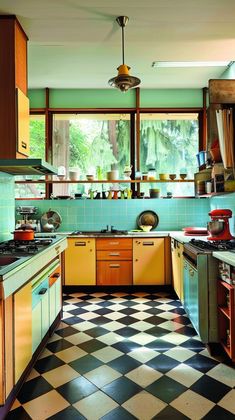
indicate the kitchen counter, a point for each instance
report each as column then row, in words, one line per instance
column 178, row 235
column 15, row 275
column 226, row 256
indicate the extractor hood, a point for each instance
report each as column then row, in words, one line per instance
column 27, row 167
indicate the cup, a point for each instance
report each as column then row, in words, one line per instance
column 208, row 187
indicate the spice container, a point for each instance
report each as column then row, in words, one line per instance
column 145, row 176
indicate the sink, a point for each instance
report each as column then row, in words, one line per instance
column 100, row 232
column 7, row 260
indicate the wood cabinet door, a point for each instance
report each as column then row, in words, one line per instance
column 114, row 273
column 113, row 243
column 177, row 269
column 80, row 262
column 22, row 123
column 22, row 329
column 148, row 261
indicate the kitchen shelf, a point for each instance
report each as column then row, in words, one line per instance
column 226, row 317
column 104, row 181
column 214, row 194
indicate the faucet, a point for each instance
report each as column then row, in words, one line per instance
column 105, row 230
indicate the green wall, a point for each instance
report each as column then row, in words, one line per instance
column 112, row 98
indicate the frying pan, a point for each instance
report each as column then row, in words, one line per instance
column 147, row 218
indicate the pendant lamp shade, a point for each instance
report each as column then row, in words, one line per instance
column 123, row 81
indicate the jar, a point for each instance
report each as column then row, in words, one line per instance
column 145, row 176
column 200, row 187
column 138, row 175
column 151, row 174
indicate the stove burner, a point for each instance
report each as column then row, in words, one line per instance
column 23, row 247
column 213, row 245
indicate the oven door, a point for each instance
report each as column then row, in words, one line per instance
column 191, row 293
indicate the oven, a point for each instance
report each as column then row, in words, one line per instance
column 200, row 291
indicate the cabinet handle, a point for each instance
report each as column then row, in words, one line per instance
column 191, row 272
column 114, row 265
column 80, row 244
column 136, row 260
column 178, row 254
column 43, row 291
column 148, row 243
column 57, row 248
column 23, row 145
column 113, row 243
column 56, row 275
column 114, row 254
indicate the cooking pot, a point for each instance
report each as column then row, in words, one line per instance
column 215, row 227
column 23, row 235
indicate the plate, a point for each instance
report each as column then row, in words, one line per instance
column 147, row 218
column 198, row 230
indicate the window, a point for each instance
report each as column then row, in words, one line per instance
column 169, row 144
column 90, row 143
column 37, row 150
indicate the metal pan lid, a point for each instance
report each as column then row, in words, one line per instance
column 147, row 218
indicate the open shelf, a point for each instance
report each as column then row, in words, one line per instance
column 225, row 311
column 104, row 181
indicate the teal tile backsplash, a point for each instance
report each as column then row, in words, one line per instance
column 7, row 206
column 174, row 214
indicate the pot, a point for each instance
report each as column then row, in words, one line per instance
column 215, row 227
column 23, row 235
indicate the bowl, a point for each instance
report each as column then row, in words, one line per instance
column 163, row 177
column 154, row 192
column 146, row 228
column 90, row 177
column 172, row 176
column 215, row 227
column 183, row 176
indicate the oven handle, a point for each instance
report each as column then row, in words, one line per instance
column 190, row 260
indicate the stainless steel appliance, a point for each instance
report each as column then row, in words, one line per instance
column 28, row 220
column 24, row 247
column 200, row 285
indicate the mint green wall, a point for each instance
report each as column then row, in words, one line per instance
column 7, row 206
column 174, row 214
column 229, row 73
column 112, row 98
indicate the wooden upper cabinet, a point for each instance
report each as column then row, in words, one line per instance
column 13, row 76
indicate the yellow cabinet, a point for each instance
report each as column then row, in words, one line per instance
column 177, row 267
column 22, row 329
column 148, row 261
column 80, row 262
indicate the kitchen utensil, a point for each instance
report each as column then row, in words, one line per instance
column 219, row 225
column 147, row 218
column 183, row 176
column 23, row 235
column 51, row 220
column 172, row 176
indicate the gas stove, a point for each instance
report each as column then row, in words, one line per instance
column 210, row 246
column 24, row 247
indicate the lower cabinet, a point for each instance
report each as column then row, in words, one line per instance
column 40, row 311
column 114, row 261
column 177, row 267
column 22, row 302
column 55, row 294
column 148, row 261
column 80, row 262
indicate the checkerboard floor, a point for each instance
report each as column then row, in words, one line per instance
column 126, row 356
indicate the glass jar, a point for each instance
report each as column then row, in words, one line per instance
column 151, row 174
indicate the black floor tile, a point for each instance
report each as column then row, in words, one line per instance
column 157, row 331
column 219, row 413
column 128, row 320
column 96, row 331
column 153, row 311
column 69, row 413
column 100, row 320
column 170, row 413
column 129, row 311
column 72, row 320
column 92, row 345
column 105, row 304
column 162, row 363
column 210, row 388
column 85, row 364
column 188, row 331
column 156, row 320
column 121, row 390
column 166, row 389
column 48, row 363
column 33, row 389
column 160, row 345
column 126, row 331
column 66, row 332
column 76, row 389
column 194, row 345
column 17, row 414
column 126, row 346
column 176, row 303
column 124, row 364
column 59, row 345
column 128, row 303
column 202, row 363
column 118, row 413
column 103, row 311
column 179, row 311
column 182, row 320
column 78, row 311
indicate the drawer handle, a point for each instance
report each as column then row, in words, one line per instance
column 114, row 265
column 178, row 254
column 43, row 291
column 191, row 272
column 80, row 243
column 148, row 243
column 56, row 275
column 114, row 243
column 24, row 145
column 114, row 254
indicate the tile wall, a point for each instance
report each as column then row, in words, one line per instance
column 174, row 214
column 7, row 206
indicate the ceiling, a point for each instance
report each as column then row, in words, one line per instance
column 77, row 43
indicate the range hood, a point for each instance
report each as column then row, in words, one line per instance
column 27, row 167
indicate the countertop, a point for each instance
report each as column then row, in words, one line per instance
column 226, row 256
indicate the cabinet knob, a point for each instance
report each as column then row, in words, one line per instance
column 136, row 259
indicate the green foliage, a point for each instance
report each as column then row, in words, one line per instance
column 37, row 139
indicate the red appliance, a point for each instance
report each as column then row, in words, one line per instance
column 220, row 215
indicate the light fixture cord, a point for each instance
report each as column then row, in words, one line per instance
column 123, row 61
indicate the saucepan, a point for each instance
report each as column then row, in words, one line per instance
column 215, row 227
column 23, row 234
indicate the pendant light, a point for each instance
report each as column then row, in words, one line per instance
column 123, row 80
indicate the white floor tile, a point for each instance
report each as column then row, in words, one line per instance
column 95, row 406
column 224, row 374
column 143, row 354
column 192, row 405
column 144, row 375
column 179, row 353
column 103, row 375
column 144, row 406
column 228, row 401
column 184, row 374
column 107, row 354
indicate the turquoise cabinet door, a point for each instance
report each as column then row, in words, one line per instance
column 45, row 313
column 186, row 287
column 52, row 303
column 193, row 297
column 36, row 330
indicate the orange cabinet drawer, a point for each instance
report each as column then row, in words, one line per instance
column 113, row 243
column 114, row 272
column 115, row 255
